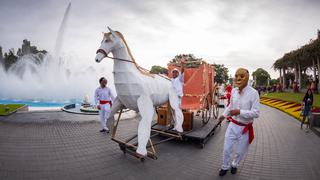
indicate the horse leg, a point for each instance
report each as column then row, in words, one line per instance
column 146, row 110
column 116, row 106
column 177, row 112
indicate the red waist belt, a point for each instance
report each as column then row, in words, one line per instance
column 105, row 102
column 247, row 127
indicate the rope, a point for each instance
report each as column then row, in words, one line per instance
column 141, row 69
column 144, row 70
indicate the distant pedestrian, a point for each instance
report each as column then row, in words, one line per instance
column 228, row 93
column 307, row 105
column 228, row 96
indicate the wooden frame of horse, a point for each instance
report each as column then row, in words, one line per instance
column 127, row 147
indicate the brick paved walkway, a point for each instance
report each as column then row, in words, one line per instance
column 50, row 146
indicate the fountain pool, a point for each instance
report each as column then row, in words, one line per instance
column 38, row 104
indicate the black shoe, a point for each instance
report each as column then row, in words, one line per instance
column 233, row 170
column 222, row 172
column 103, row 130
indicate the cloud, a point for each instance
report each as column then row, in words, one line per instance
column 248, row 33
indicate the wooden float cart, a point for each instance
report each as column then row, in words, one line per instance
column 200, row 103
column 200, row 110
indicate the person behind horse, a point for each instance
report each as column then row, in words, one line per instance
column 228, row 96
column 243, row 108
column 177, row 81
column 103, row 97
column 307, row 104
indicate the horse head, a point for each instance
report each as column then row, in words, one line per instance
column 111, row 41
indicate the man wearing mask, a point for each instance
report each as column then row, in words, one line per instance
column 243, row 108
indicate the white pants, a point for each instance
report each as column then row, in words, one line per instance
column 178, row 120
column 180, row 102
column 104, row 114
column 233, row 137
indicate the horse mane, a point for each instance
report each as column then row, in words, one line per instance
column 141, row 69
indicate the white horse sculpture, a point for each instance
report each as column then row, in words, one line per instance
column 137, row 89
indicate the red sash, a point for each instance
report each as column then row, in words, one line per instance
column 105, row 102
column 247, row 127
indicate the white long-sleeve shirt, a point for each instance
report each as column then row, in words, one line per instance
column 104, row 94
column 248, row 102
column 177, row 84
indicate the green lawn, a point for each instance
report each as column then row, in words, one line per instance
column 293, row 97
column 6, row 109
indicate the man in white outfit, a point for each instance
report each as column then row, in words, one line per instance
column 103, row 97
column 243, row 108
column 177, row 83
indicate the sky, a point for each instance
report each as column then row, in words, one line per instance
column 236, row 33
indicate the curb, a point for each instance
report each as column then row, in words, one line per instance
column 291, row 108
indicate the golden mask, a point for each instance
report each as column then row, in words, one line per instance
column 241, row 78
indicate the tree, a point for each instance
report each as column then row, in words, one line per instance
column 261, row 77
column 221, row 73
column 9, row 59
column 274, row 81
column 158, row 70
column 289, row 77
column 186, row 57
column 192, row 61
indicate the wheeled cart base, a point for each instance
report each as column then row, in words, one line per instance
column 200, row 132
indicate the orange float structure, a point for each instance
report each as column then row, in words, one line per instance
column 199, row 90
column 199, row 104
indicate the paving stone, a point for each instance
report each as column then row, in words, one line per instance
column 59, row 145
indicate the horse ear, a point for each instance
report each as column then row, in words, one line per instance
column 114, row 34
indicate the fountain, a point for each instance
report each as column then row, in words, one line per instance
column 56, row 81
column 61, row 31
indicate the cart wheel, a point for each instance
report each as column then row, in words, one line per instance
column 142, row 160
column 206, row 113
column 122, row 148
column 215, row 110
column 215, row 104
column 202, row 145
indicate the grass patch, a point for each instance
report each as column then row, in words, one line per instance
column 293, row 97
column 6, row 109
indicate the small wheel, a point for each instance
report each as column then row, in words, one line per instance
column 215, row 104
column 202, row 145
column 122, row 147
column 206, row 113
column 215, row 110
column 142, row 160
